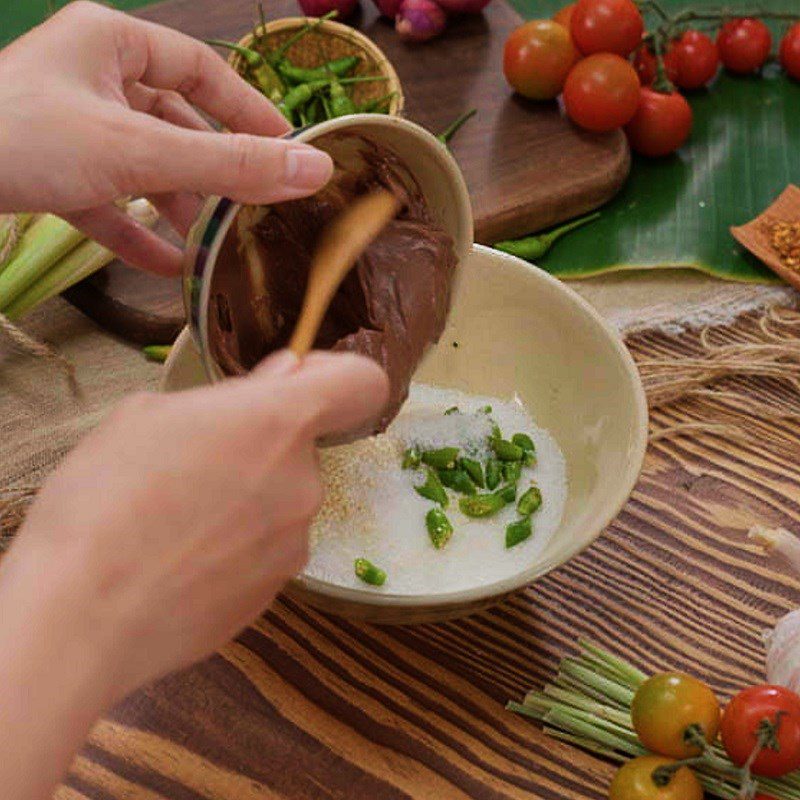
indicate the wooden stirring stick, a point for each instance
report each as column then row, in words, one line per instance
column 342, row 242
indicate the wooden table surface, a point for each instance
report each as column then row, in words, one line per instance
column 304, row 706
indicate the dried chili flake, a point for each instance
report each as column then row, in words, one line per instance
column 784, row 239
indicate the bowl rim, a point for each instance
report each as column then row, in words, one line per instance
column 610, row 509
column 342, row 31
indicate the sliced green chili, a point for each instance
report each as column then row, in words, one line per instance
column 411, row 458
column 506, row 451
column 494, row 473
column 530, row 501
column 452, row 410
column 458, row 480
column 524, row 441
column 482, row 505
column 369, row 573
column 439, row 527
column 529, row 459
column 474, row 469
column 512, row 471
column 443, row 458
column 432, row 489
column 508, row 493
column 518, row 532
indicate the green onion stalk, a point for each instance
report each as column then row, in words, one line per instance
column 589, row 705
column 51, row 256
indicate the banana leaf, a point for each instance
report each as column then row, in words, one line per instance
column 743, row 152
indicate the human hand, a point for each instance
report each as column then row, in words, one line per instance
column 177, row 521
column 96, row 105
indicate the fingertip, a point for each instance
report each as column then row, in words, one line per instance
column 307, row 168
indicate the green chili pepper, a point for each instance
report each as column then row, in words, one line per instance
column 496, row 432
column 341, row 103
column 508, row 493
column 512, row 471
column 529, row 459
column 443, row 458
column 452, row 410
column 474, row 470
column 378, row 106
column 486, row 410
column 369, row 573
column 518, row 532
column 157, row 352
column 447, row 134
column 263, row 75
column 524, row 441
column 506, row 451
column 530, row 501
column 301, row 95
column 439, row 527
column 481, row 505
column 433, row 489
column 340, row 67
column 411, row 458
column 458, row 480
column 532, row 247
column 494, row 473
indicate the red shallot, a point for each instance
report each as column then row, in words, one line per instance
column 420, row 20
column 318, row 8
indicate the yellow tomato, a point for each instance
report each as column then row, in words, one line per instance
column 634, row 781
column 666, row 705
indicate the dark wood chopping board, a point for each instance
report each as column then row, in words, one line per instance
column 526, row 166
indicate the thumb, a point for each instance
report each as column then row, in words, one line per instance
column 246, row 168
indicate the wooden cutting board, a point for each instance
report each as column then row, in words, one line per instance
column 526, row 166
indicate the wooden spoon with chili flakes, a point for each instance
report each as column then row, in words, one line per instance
column 774, row 236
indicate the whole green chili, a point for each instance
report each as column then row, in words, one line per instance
column 433, row 489
column 532, row 247
column 481, row 505
column 447, row 134
column 341, row 103
column 439, row 527
column 506, row 451
column 474, row 469
column 339, row 67
column 379, row 105
column 369, row 573
column 530, row 501
column 518, row 532
column 458, row 480
column 494, row 473
column 262, row 75
column 443, row 458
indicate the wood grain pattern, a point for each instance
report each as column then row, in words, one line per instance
column 526, row 167
column 305, row 706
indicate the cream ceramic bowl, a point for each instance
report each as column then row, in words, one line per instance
column 518, row 331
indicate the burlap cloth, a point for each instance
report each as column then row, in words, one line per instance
column 41, row 420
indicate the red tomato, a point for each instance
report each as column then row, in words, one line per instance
column 790, row 51
column 662, row 123
column 564, row 16
column 601, row 92
column 606, row 26
column 744, row 44
column 740, row 724
column 538, row 57
column 695, row 60
column 644, row 62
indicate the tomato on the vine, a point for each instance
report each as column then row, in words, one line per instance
column 669, row 703
column 634, row 781
column 564, row 15
column 644, row 62
column 606, row 26
column 601, row 92
column 538, row 57
column 694, row 59
column 790, row 51
column 744, row 44
column 749, row 712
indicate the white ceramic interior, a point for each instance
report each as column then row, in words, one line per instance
column 519, row 331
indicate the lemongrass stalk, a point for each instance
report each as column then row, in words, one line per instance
column 43, row 244
column 586, row 704
column 586, row 744
column 12, row 226
column 634, row 677
column 572, row 685
column 602, row 684
column 86, row 259
column 583, row 728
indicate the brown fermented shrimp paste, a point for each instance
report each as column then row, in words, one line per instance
column 392, row 306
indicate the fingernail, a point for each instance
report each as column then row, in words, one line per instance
column 307, row 167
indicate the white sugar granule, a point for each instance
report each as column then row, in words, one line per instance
column 372, row 511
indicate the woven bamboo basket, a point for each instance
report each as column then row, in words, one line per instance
column 326, row 42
